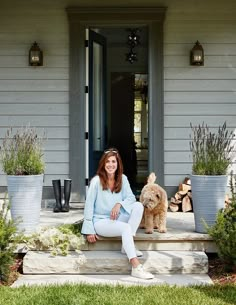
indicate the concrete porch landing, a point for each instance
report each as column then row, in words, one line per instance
column 180, row 236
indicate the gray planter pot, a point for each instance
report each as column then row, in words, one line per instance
column 208, row 195
column 25, row 196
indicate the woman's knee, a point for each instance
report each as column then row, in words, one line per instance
column 126, row 228
column 138, row 206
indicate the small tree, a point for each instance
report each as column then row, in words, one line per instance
column 8, row 241
column 224, row 230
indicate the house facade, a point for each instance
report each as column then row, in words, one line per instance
column 85, row 106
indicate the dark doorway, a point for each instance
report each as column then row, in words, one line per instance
column 81, row 18
column 129, row 124
column 122, row 121
column 126, row 125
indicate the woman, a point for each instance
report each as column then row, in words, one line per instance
column 111, row 209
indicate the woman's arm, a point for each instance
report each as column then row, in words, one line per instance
column 88, row 227
column 92, row 238
column 128, row 197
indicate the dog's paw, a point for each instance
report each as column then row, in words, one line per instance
column 148, row 231
column 163, row 230
column 141, row 227
column 155, row 227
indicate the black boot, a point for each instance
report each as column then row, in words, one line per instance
column 57, row 193
column 67, row 191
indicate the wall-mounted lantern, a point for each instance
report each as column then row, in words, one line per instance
column 197, row 55
column 35, row 55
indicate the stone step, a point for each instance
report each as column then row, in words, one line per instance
column 112, row 279
column 113, row 262
column 189, row 241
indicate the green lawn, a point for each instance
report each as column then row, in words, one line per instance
column 109, row 295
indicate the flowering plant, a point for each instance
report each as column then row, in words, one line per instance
column 21, row 153
column 212, row 151
column 58, row 240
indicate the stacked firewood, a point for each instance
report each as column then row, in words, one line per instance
column 182, row 200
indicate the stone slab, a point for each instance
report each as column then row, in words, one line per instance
column 48, row 218
column 126, row 280
column 113, row 262
column 180, row 236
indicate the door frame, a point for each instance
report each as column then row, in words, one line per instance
column 93, row 157
column 81, row 18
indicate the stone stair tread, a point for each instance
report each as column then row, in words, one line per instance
column 189, row 241
column 141, row 235
column 121, row 279
column 113, row 262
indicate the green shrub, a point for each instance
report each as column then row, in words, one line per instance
column 212, row 152
column 224, row 230
column 8, row 241
column 21, row 153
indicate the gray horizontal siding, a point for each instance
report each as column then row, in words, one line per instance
column 197, row 94
column 39, row 96
column 36, row 96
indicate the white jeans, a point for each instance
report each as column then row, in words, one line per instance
column 124, row 226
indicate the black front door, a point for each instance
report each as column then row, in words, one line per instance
column 97, row 99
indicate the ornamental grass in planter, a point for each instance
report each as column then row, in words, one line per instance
column 21, row 155
column 212, row 154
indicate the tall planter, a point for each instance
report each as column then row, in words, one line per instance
column 25, row 196
column 208, row 196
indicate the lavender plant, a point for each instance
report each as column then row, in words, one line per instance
column 212, row 152
column 21, row 153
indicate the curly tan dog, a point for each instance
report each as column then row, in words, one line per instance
column 154, row 199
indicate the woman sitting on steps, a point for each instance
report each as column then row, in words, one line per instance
column 111, row 209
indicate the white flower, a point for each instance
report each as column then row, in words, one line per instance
column 52, row 238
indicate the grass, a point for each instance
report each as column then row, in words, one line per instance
column 109, row 295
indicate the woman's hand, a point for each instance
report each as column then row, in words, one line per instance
column 115, row 211
column 92, row 238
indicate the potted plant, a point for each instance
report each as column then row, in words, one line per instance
column 21, row 156
column 212, row 156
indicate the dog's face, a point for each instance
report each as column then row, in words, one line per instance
column 151, row 196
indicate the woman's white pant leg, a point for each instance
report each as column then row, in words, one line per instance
column 111, row 228
column 136, row 216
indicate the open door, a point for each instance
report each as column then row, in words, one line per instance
column 96, row 99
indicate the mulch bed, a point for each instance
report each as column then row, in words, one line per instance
column 16, row 269
column 218, row 271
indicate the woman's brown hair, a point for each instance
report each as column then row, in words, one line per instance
column 101, row 172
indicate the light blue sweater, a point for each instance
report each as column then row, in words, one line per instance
column 99, row 203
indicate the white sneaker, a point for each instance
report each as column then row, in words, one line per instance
column 138, row 253
column 141, row 273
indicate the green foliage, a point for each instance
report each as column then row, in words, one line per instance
column 8, row 241
column 59, row 240
column 21, row 153
column 224, row 230
column 212, row 152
